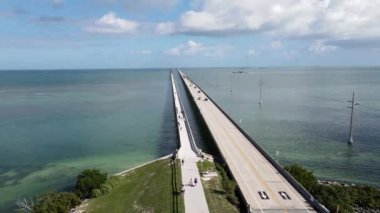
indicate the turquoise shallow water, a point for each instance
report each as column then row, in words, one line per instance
column 55, row 123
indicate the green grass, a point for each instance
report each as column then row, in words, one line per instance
column 151, row 188
column 215, row 194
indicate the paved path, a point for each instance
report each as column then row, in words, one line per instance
column 195, row 200
column 263, row 187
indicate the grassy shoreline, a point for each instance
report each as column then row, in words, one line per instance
column 152, row 187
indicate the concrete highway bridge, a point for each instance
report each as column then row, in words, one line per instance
column 264, row 184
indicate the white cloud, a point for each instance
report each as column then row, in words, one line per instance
column 252, row 52
column 194, row 48
column 340, row 19
column 174, row 51
column 165, row 28
column 320, row 48
column 112, row 24
column 276, row 45
column 190, row 48
column 145, row 52
column 141, row 52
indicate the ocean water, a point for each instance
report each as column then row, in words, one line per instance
column 304, row 117
column 55, row 123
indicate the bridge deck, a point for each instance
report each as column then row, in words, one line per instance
column 194, row 197
column 251, row 170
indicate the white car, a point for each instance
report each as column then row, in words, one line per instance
column 284, row 195
column 263, row 195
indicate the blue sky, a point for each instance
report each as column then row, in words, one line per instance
column 70, row 34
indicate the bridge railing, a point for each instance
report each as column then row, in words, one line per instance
column 193, row 145
column 305, row 194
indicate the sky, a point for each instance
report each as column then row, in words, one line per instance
column 80, row 34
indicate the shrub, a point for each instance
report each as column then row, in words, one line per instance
column 336, row 197
column 96, row 193
column 113, row 181
column 87, row 181
column 303, row 176
column 228, row 184
column 333, row 197
column 233, row 199
column 59, row 202
column 106, row 187
column 367, row 196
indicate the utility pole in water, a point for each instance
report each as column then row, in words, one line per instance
column 261, row 85
column 231, row 84
column 353, row 104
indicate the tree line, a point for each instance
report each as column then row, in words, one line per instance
column 337, row 198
